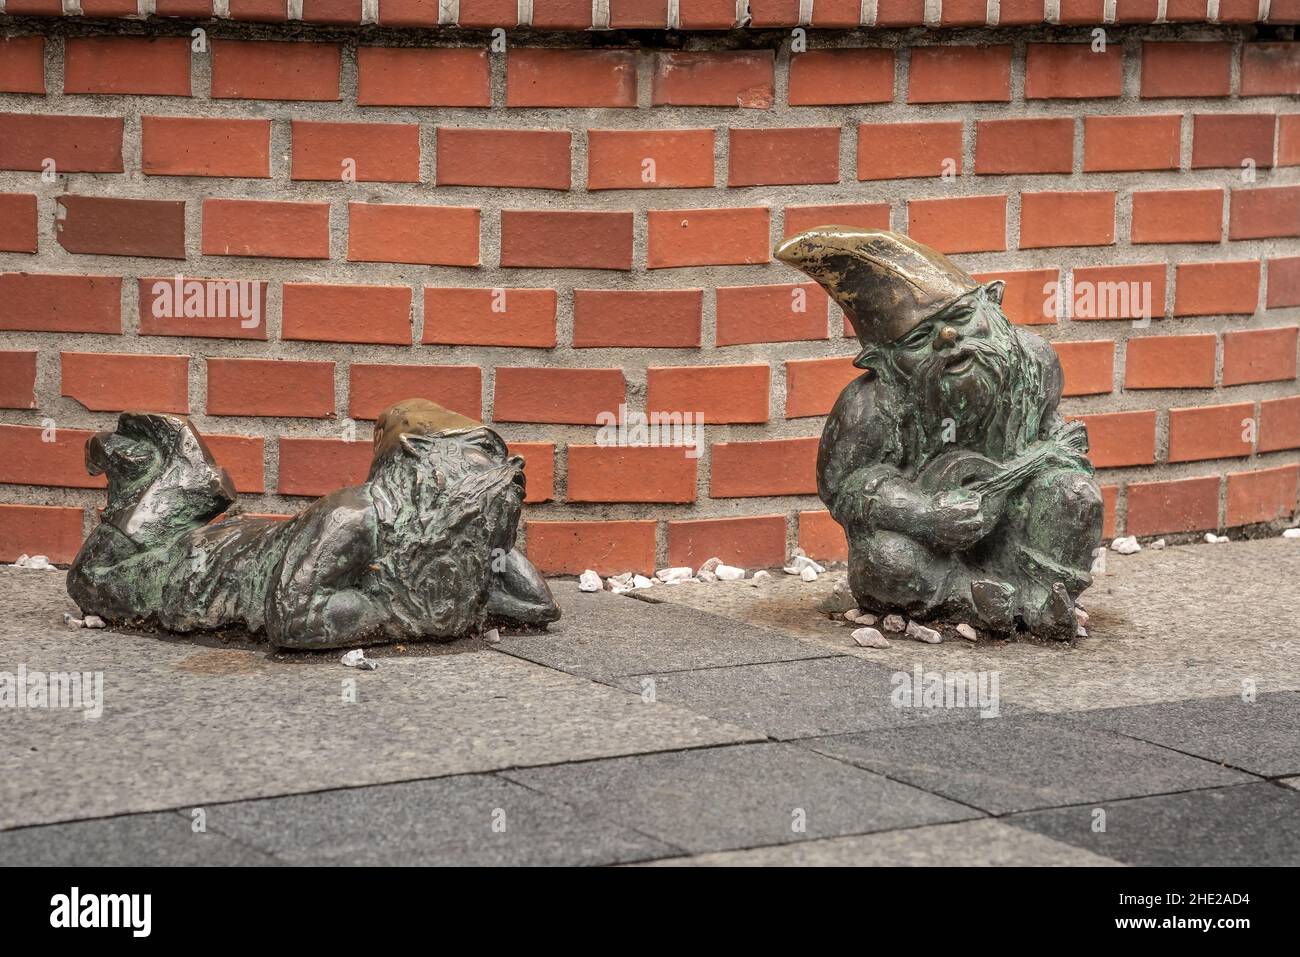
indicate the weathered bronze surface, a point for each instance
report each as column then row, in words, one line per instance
column 963, row 492
column 423, row 549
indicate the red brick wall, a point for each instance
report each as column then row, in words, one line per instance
column 479, row 172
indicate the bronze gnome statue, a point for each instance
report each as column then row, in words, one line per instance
column 424, row 548
column 962, row 491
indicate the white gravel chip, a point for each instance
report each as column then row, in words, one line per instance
column 1291, row 533
column 678, row 574
column 640, row 581
column 589, row 581
column 895, row 623
column 1126, row 546
column 710, row 566
column 808, row 573
column 967, row 632
column 729, row 573
column 760, row 576
column 357, row 659
column 1158, row 544
column 869, row 638
column 1212, row 539
column 707, row 576
column 94, row 621
column 921, row 633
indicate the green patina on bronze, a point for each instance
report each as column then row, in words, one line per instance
column 963, row 492
column 424, row 548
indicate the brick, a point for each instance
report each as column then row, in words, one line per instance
column 1177, row 216
column 1281, row 11
column 270, row 387
column 420, row 235
column 1270, row 69
column 109, row 8
column 707, row 237
column 1109, row 508
column 776, row 313
column 189, row 9
column 1081, row 11
column 566, row 239
column 723, row 395
column 247, row 227
column 649, row 159
column 960, row 74
column 323, row 312
column 523, row 318
column 39, row 303
column 1024, row 146
column 1238, row 11
column 813, row 385
column 1283, row 282
column 837, row 13
column 114, row 383
column 775, row 157
column 1229, row 139
column 1288, row 139
column 636, row 318
column 841, row 77
column 1186, row 69
column 1119, row 292
column 908, row 150
column 638, row 14
column 1211, row 432
column 1136, row 11
column 1265, row 495
column 34, row 8
column 1269, row 213
column 757, row 542
column 968, row 224
column 1031, row 296
column 1259, row 355
column 259, row 11
column 821, row 537
column 774, row 13
column 591, row 78
column 900, row 13
column 1074, row 218
column 199, row 146
column 706, row 14
column 861, row 215
column 243, row 458
column 963, row 13
column 121, row 227
column 1125, row 143
column 1118, row 439
column 259, row 70
column 157, row 66
column 557, row 396
column 1023, row 12
column 321, row 466
column 369, row 152
column 374, row 387
column 1170, row 362
column 769, row 467
column 76, row 144
column 1073, row 71
column 415, row 13
column 17, row 380
column 630, row 474
column 17, row 223
column 337, row 12
column 1088, row 366
column 22, row 65
column 420, row 76
column 1186, row 11
column 206, row 308
column 1279, row 424
column 562, row 15
column 1213, row 289
column 50, row 530
column 730, row 78
column 530, row 159
column 1183, row 505
column 611, row 548
column 39, row 456
column 539, row 469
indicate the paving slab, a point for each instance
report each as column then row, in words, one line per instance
column 476, row 820
column 1291, row 782
column 165, row 839
column 982, row 843
column 1247, row 825
column 604, row 636
column 737, row 797
column 1261, row 736
column 1025, row 762
column 800, row 699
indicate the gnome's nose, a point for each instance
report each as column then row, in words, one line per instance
column 946, row 338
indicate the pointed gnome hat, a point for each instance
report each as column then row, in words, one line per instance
column 416, row 417
column 886, row 283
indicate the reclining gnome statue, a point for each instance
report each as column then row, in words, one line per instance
column 962, row 491
column 424, row 548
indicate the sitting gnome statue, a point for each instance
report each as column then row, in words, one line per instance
column 424, row 548
column 962, row 491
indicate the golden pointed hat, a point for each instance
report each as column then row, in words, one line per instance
column 416, row 417
column 886, row 283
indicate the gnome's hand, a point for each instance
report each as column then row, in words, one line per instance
column 958, row 519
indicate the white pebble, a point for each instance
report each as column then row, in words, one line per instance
column 589, row 581
column 852, row 614
column 1158, row 544
column 760, row 576
column 673, row 574
column 921, row 633
column 729, row 573
column 640, row 581
column 94, row 621
column 1212, row 539
column 798, row 562
column 72, row 621
column 1126, row 546
column 866, row 619
column 357, row 659
column 967, row 632
column 1291, row 533
column 869, row 638
column 808, row 573
column 39, row 562
column 707, row 577
column 710, row 566
column 492, row 636
column 894, row 623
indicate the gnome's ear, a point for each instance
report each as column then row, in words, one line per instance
column 994, row 290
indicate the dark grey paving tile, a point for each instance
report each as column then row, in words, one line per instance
column 1024, row 762
column 1250, row 824
column 798, row 699
column 479, row 820
column 1262, row 737
column 138, row 840
column 602, row 635
column 736, row 797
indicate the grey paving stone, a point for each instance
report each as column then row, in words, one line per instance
column 138, row 840
column 1020, row 763
column 799, row 699
column 1262, row 737
column 479, row 820
column 982, row 843
column 603, row 636
column 1291, row 782
column 1251, row 824
column 736, row 797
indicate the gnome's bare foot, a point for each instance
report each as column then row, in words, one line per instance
column 994, row 603
column 1052, row 615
